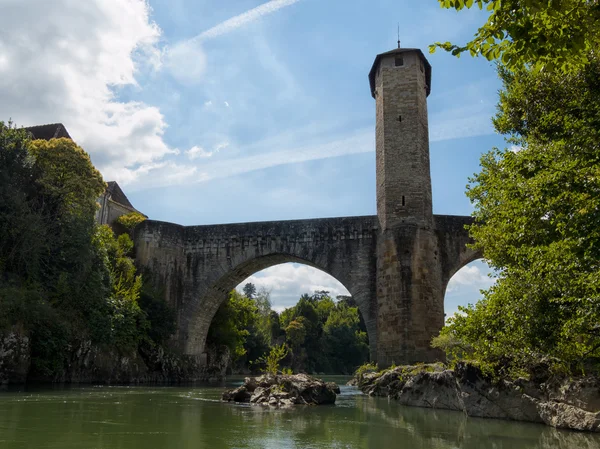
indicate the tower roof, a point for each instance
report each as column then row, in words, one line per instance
column 47, row 132
column 398, row 51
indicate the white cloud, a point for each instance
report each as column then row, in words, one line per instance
column 267, row 153
column 226, row 103
column 464, row 287
column 242, row 19
column 186, row 61
column 208, row 103
column 198, row 152
column 516, row 148
column 287, row 282
column 65, row 65
column 470, row 275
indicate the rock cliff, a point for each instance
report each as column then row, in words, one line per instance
column 564, row 403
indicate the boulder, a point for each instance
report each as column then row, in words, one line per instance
column 284, row 390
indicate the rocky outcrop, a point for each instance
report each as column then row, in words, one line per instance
column 15, row 355
column 564, row 403
column 284, row 390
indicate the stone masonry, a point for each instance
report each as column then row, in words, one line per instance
column 396, row 264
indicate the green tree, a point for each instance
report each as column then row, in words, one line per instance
column 555, row 34
column 127, row 321
column 296, row 332
column 249, row 290
column 344, row 343
column 21, row 223
column 230, row 324
column 536, row 219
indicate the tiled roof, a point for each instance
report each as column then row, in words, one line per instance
column 47, row 132
column 117, row 195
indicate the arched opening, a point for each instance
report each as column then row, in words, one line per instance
column 465, row 285
column 305, row 309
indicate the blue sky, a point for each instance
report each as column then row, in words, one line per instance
column 216, row 112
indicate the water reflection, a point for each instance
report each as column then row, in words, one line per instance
column 155, row 418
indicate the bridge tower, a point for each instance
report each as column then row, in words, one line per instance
column 409, row 273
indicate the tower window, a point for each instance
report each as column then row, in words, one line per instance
column 403, row 201
column 399, row 61
column 421, row 65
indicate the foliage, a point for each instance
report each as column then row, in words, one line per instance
column 366, row 368
column 296, row 332
column 273, row 358
column 68, row 177
column 320, row 335
column 536, row 218
column 249, row 290
column 65, row 280
column 230, row 324
column 127, row 319
column 344, row 342
column 455, row 348
column 160, row 317
column 548, row 35
column 130, row 220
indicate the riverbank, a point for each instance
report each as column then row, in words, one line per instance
column 568, row 403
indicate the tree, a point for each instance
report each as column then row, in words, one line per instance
column 543, row 34
column 21, row 223
column 231, row 322
column 536, row 219
column 249, row 290
column 127, row 321
column 296, row 332
column 344, row 343
column 68, row 176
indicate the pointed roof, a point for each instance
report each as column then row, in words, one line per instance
column 49, row 131
column 117, row 195
column 398, row 51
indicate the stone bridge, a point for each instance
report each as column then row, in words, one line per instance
column 396, row 264
column 197, row 266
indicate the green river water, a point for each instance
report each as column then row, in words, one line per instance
column 193, row 417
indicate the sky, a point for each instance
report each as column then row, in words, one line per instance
column 212, row 112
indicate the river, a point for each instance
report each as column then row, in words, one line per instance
column 113, row 417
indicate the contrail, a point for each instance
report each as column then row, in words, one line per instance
column 244, row 18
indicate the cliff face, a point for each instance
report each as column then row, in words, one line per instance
column 93, row 364
column 564, row 403
column 15, row 355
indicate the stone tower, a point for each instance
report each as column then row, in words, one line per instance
column 409, row 278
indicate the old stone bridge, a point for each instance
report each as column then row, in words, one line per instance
column 395, row 264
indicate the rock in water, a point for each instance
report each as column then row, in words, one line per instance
column 564, row 403
column 284, row 390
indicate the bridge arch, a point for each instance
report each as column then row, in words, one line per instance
column 203, row 312
column 198, row 266
column 464, row 285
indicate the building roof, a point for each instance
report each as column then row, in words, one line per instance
column 117, row 195
column 398, row 51
column 49, row 131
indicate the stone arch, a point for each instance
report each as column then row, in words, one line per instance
column 464, row 286
column 204, row 310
